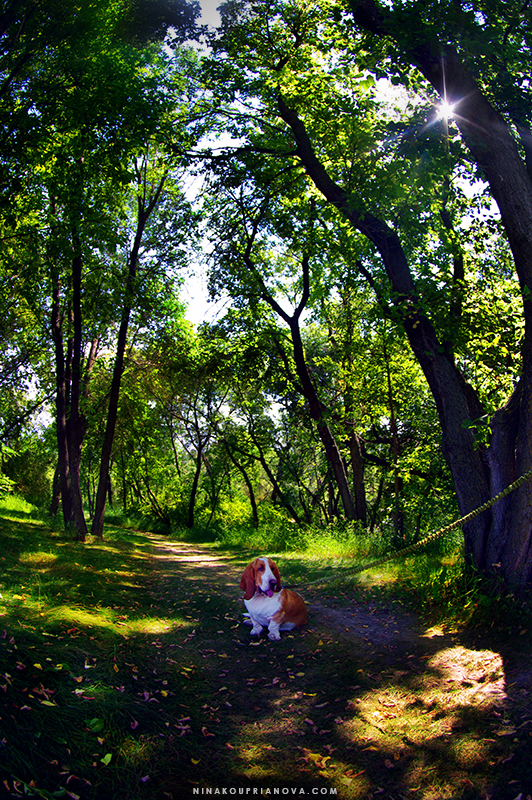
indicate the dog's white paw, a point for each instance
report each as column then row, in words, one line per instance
column 274, row 637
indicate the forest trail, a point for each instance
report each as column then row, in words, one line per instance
column 366, row 679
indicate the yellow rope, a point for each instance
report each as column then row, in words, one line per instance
column 432, row 536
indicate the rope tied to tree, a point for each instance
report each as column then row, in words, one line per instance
column 432, row 537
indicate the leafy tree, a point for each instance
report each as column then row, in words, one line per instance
column 265, row 253
column 95, row 95
column 300, row 90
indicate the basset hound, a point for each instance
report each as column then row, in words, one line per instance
column 268, row 603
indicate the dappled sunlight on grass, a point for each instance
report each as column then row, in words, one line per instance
column 128, row 664
column 137, row 753
column 156, row 625
column 414, row 718
column 102, row 618
column 38, row 558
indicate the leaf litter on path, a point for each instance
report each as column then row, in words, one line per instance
column 407, row 692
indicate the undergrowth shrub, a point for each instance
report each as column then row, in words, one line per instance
column 13, row 505
column 275, row 533
column 135, row 519
column 454, row 592
column 343, row 540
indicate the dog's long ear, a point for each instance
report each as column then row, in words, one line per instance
column 277, row 575
column 247, row 582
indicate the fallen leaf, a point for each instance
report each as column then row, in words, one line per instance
column 95, row 725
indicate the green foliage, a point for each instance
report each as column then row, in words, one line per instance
column 30, row 469
column 213, row 430
column 446, row 588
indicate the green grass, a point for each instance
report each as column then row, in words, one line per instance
column 127, row 675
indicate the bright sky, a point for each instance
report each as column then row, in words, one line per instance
column 194, row 292
column 209, row 14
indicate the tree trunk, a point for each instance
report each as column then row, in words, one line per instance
column 456, row 402
column 332, row 451
column 277, row 491
column 112, row 411
column 398, row 517
column 56, row 492
column 248, row 483
column 124, row 483
column 357, row 467
column 76, row 425
column 376, row 504
column 61, row 399
column 353, row 440
column 143, row 213
column 307, row 387
column 194, row 490
column 502, row 539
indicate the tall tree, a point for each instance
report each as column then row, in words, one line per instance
column 264, row 253
column 313, row 108
column 486, row 95
column 93, row 85
column 147, row 200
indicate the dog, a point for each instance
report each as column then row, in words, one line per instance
column 268, row 604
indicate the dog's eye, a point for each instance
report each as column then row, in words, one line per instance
column 261, row 569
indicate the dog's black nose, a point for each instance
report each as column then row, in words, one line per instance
column 273, row 583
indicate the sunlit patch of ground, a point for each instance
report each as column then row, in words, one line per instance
column 472, row 678
column 359, row 700
column 438, row 710
column 104, row 619
column 38, row 558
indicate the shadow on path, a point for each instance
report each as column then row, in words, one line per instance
column 363, row 701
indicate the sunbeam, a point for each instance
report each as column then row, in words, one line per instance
column 445, row 110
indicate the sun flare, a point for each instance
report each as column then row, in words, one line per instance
column 445, row 110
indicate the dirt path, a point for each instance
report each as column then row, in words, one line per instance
column 365, row 700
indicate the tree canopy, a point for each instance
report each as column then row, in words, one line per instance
column 357, row 177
